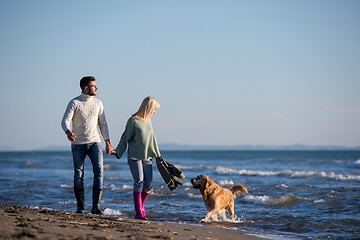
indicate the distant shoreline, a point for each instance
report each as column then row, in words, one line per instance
column 199, row 150
column 188, row 147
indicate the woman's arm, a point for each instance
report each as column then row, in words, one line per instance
column 125, row 137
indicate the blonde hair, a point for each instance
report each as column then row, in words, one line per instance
column 147, row 107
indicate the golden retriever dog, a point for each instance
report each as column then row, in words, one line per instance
column 216, row 198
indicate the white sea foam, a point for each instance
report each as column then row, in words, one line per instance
column 127, row 187
column 264, row 200
column 187, row 184
column 68, row 203
column 66, row 186
column 111, row 187
column 218, row 218
column 357, row 162
column 114, row 187
column 225, row 183
column 288, row 199
column 244, row 172
column 191, row 195
column 305, row 174
column 112, row 212
column 183, row 167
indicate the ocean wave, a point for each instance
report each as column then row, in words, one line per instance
column 339, row 176
column 68, row 203
column 286, row 200
column 66, row 186
column 226, row 183
column 114, row 187
column 224, row 170
column 357, row 162
column 111, row 187
column 127, row 187
column 191, row 195
column 187, row 184
column 182, row 166
column 288, row 172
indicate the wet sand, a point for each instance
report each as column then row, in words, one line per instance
column 31, row 223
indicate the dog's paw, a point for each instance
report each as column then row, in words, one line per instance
column 203, row 220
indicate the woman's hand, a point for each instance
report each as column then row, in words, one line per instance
column 113, row 152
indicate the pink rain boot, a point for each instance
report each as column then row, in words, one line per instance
column 138, row 206
column 144, row 196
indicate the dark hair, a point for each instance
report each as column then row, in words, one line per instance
column 85, row 81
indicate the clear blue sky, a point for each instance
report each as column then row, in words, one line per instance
column 225, row 72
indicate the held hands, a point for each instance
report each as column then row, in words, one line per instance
column 113, row 152
column 109, row 148
column 70, row 135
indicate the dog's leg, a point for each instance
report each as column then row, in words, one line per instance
column 210, row 214
column 231, row 210
column 206, row 218
column 223, row 215
column 231, row 213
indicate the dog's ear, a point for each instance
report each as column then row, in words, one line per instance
column 208, row 182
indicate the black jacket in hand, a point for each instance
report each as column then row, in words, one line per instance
column 169, row 173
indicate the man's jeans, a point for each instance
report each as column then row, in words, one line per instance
column 141, row 171
column 95, row 154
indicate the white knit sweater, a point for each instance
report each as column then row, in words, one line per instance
column 87, row 116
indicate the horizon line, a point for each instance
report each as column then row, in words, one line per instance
column 188, row 147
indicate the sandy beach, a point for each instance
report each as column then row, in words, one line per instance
column 31, row 223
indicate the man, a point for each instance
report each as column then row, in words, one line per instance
column 87, row 115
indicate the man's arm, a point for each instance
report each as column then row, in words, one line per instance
column 104, row 129
column 65, row 122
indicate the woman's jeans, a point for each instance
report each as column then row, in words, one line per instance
column 79, row 152
column 141, row 171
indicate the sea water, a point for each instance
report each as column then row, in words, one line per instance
column 292, row 194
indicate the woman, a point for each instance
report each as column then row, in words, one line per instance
column 142, row 147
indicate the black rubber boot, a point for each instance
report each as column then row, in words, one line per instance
column 80, row 199
column 96, row 202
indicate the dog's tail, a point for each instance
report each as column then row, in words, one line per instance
column 238, row 188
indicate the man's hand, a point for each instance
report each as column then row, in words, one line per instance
column 113, row 152
column 70, row 135
column 109, row 148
